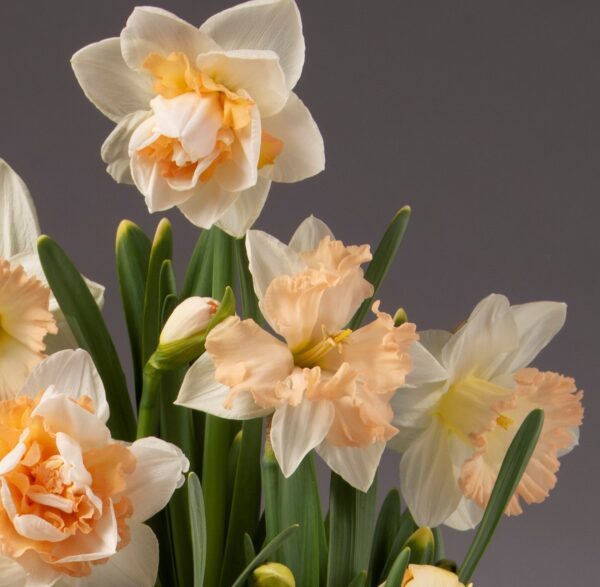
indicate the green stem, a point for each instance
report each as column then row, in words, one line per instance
column 148, row 413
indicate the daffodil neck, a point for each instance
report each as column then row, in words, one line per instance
column 311, row 356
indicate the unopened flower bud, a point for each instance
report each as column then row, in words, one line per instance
column 273, row 575
column 189, row 318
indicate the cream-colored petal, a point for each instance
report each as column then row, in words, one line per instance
column 136, row 565
column 16, row 363
column 73, row 374
column 201, row 391
column 434, row 341
column 430, row 576
column 425, row 368
column 12, row 573
column 115, row 149
column 19, row 228
column 303, row 153
column 154, row 30
column 254, row 72
column 249, row 359
column 107, row 81
column 269, row 258
column 262, row 24
column 357, row 466
column 489, row 332
column 208, row 204
column 427, row 479
column 296, row 430
column 246, row 209
column 467, row 515
column 309, row 234
column 160, row 466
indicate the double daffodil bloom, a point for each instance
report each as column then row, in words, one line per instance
column 18, row 246
column 469, row 393
column 430, row 576
column 206, row 117
column 327, row 387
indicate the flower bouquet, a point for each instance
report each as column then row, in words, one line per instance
column 265, row 353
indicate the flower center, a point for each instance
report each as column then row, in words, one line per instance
column 311, row 356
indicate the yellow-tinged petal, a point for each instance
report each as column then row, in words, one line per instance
column 430, row 576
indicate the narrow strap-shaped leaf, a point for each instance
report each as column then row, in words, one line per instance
column 90, row 331
column 382, row 260
column 201, row 256
column 218, row 434
column 386, row 529
column 360, row 580
column 132, row 252
column 405, row 529
column 512, row 469
column 198, row 528
column 249, row 552
column 396, row 574
column 296, row 500
column 351, row 525
column 269, row 549
column 438, row 553
column 167, row 286
column 162, row 250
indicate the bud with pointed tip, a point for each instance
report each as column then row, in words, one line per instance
column 273, row 575
column 188, row 319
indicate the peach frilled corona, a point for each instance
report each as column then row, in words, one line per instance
column 327, row 387
column 72, row 499
column 206, row 117
column 465, row 403
column 25, row 320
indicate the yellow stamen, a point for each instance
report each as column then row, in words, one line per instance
column 504, row 421
column 312, row 355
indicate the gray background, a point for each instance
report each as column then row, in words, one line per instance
column 482, row 115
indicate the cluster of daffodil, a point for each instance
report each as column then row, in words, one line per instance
column 210, row 479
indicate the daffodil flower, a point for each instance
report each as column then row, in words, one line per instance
column 326, row 387
column 465, row 400
column 18, row 246
column 73, row 501
column 206, row 117
column 430, row 576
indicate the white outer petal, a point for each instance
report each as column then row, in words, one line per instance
column 303, row 153
column 296, row 430
column 12, row 573
column 201, row 391
column 467, row 515
column 425, row 367
column 246, row 208
column 159, row 472
column 136, row 565
column 427, row 477
column 263, row 24
column 73, row 374
column 309, row 234
column 154, row 30
column 19, row 228
column 115, row 149
column 269, row 258
column 114, row 88
column 356, row 466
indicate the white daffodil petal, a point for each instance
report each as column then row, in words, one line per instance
column 467, row 515
column 136, row 565
column 356, row 466
column 269, row 258
column 303, row 153
column 537, row 324
column 413, row 405
column 200, row 391
column 19, row 228
column 425, row 367
column 244, row 211
column 427, row 478
column 113, row 87
column 12, row 573
column 489, row 333
column 115, row 149
column 73, row 374
column 154, row 30
column 309, row 234
column 296, row 430
column 159, row 471
column 263, row 24
column 256, row 72
column 434, row 341
column 208, row 204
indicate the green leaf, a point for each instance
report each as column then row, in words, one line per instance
column 132, row 252
column 265, row 554
column 84, row 318
column 512, row 469
column 360, row 580
column 382, row 260
column 386, row 529
column 405, row 529
column 296, row 500
column 438, row 553
column 199, row 267
column 396, row 574
column 249, row 552
column 162, row 250
column 198, row 528
column 351, row 525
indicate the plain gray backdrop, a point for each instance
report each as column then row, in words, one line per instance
column 482, row 115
